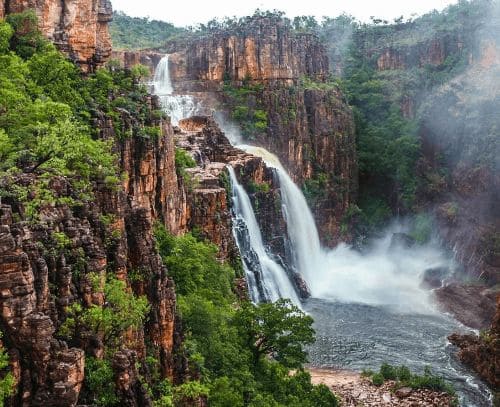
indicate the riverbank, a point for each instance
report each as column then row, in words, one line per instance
column 354, row 391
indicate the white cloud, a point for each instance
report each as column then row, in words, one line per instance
column 191, row 12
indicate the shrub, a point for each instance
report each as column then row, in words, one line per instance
column 378, row 379
column 99, row 382
column 388, row 372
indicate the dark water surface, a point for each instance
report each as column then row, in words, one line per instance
column 358, row 336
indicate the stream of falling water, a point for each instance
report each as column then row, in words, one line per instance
column 368, row 307
column 177, row 106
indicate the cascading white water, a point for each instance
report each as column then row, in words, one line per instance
column 384, row 275
column 264, row 271
column 177, row 106
column 302, row 232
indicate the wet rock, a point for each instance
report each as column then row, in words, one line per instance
column 301, row 286
column 402, row 240
column 433, row 278
column 482, row 353
column 472, row 305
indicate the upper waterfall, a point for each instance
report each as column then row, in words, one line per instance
column 177, row 106
column 162, row 82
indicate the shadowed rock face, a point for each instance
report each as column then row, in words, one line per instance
column 79, row 28
column 482, row 353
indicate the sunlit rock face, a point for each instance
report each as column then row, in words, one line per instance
column 310, row 129
column 79, row 28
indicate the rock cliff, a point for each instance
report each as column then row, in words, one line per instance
column 308, row 122
column 40, row 276
column 78, row 28
column 482, row 353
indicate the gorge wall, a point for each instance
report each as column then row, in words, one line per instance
column 441, row 71
column 308, row 123
column 113, row 235
column 78, row 28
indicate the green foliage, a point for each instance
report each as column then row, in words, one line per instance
column 7, row 380
column 254, row 187
column 388, row 372
column 27, row 38
column 193, row 264
column 306, row 82
column 121, row 310
column 422, row 228
column 378, row 379
column 279, row 329
column 99, row 382
column 61, row 239
column 6, row 32
column 404, row 378
column 243, row 353
column 139, row 33
column 315, row 188
column 188, row 393
column 247, row 109
column 183, row 160
column 140, row 72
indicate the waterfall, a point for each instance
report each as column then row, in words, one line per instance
column 382, row 275
column 267, row 280
column 302, row 231
column 177, row 106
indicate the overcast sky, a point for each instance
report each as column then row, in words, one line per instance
column 190, row 12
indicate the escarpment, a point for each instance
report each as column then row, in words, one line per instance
column 48, row 265
column 78, row 28
column 64, row 259
column 290, row 108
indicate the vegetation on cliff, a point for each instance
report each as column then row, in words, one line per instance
column 54, row 161
column 241, row 353
column 246, row 107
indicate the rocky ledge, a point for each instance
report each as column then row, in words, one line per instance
column 208, row 196
column 482, row 353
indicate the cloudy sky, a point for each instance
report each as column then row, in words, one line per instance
column 191, row 12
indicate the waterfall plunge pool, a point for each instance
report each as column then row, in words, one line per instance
column 357, row 336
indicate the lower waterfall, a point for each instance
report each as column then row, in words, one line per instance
column 267, row 280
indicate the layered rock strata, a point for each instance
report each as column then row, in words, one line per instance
column 78, row 28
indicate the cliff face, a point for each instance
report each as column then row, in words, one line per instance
column 40, row 276
column 78, row 28
column 264, row 50
column 310, row 128
column 460, row 133
column 482, row 353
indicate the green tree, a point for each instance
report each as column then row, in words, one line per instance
column 122, row 310
column 278, row 329
column 7, row 381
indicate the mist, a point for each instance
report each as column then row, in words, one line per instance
column 386, row 273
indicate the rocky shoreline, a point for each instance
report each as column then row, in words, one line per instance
column 354, row 390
